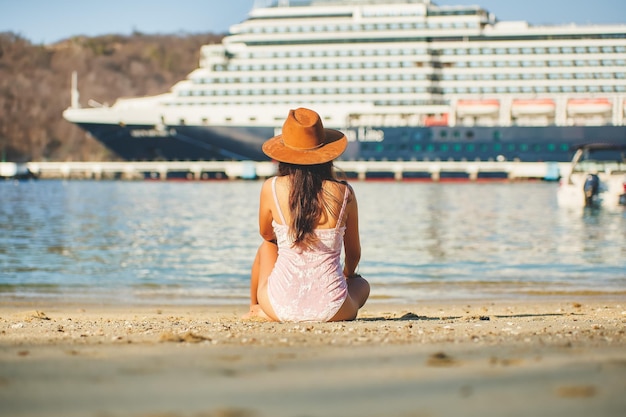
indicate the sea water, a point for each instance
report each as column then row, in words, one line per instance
column 194, row 242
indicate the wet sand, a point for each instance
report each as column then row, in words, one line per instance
column 537, row 356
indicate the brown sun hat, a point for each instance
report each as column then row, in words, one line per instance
column 305, row 141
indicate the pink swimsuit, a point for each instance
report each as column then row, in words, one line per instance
column 307, row 284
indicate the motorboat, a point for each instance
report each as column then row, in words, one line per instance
column 596, row 178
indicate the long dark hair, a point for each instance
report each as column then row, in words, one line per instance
column 306, row 198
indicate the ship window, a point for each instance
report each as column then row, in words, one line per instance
column 417, row 147
column 497, row 135
column 540, row 50
column 523, row 147
column 444, row 147
column 594, row 49
column 510, row 147
column 443, row 133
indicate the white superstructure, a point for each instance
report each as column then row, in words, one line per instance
column 411, row 59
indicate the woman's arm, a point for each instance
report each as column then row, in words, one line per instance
column 265, row 212
column 351, row 240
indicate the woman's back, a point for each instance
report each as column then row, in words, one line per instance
column 307, row 283
column 333, row 193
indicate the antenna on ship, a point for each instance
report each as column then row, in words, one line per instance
column 74, row 92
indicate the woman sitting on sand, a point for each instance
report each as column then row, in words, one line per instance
column 306, row 216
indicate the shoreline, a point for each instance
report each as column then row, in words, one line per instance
column 437, row 358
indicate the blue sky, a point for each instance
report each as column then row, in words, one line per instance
column 47, row 21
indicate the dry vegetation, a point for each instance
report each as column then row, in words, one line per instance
column 35, row 86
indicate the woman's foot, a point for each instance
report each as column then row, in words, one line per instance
column 256, row 313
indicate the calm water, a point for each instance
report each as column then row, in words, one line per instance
column 193, row 242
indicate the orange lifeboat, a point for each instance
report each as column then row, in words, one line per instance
column 477, row 107
column 582, row 106
column 532, row 107
column 436, row 120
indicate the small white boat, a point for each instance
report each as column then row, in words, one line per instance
column 597, row 177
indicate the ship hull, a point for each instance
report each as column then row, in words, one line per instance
column 526, row 144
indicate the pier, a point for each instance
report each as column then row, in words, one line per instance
column 361, row 170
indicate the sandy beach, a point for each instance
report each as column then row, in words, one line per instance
column 537, row 356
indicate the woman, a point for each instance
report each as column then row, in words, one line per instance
column 306, row 218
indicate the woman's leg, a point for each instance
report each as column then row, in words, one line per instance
column 358, row 292
column 261, row 268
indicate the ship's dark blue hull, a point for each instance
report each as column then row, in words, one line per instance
column 527, row 144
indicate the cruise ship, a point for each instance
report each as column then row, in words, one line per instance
column 405, row 80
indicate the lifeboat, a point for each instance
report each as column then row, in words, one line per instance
column 581, row 106
column 436, row 120
column 532, row 107
column 477, row 107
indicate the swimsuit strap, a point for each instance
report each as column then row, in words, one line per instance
column 280, row 213
column 343, row 206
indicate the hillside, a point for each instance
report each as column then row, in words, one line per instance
column 35, row 86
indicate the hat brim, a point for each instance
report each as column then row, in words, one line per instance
column 336, row 143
